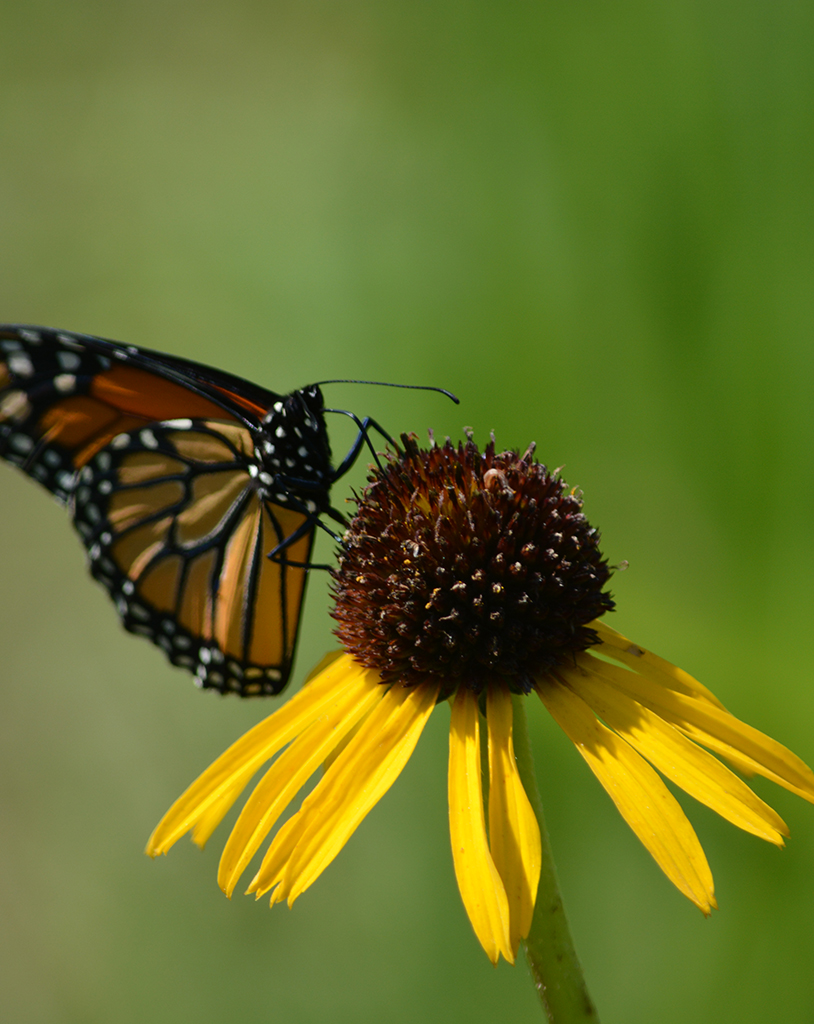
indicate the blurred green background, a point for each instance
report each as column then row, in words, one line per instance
column 594, row 223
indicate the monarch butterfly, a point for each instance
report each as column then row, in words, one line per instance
column 181, row 480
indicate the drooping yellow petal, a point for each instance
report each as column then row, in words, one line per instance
column 481, row 886
column 337, row 750
column 711, row 726
column 359, row 777
column 618, row 647
column 683, row 762
column 233, row 769
column 215, row 813
column 514, row 835
column 289, row 773
column 640, row 795
column 276, row 858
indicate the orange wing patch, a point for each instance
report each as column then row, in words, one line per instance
column 141, row 467
column 197, row 599
column 152, row 398
column 159, row 585
column 212, row 498
column 126, row 508
column 138, row 547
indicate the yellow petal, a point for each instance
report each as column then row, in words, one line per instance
column 322, row 664
column 683, row 762
column 640, row 795
column 233, row 769
column 481, row 887
column 289, row 773
column 618, row 647
column 713, row 727
column 514, row 835
column 359, row 777
column 276, row 858
column 337, row 750
column 214, row 814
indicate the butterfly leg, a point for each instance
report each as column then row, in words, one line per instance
column 362, row 438
column 276, row 554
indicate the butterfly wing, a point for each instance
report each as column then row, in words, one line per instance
column 178, row 531
column 64, row 397
column 161, row 463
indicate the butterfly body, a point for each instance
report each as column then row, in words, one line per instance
column 181, row 481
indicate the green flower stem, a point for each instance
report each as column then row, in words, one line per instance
column 550, row 950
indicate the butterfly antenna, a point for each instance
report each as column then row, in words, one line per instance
column 387, row 384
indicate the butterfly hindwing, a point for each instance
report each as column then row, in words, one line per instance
column 178, row 524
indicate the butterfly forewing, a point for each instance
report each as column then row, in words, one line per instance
column 64, row 397
column 178, row 528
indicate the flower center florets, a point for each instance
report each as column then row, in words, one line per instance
column 467, row 565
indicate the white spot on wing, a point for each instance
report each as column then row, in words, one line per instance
column 69, row 360
column 70, row 342
column 183, row 424
column 21, row 443
column 65, row 382
column 20, row 364
column 15, row 406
